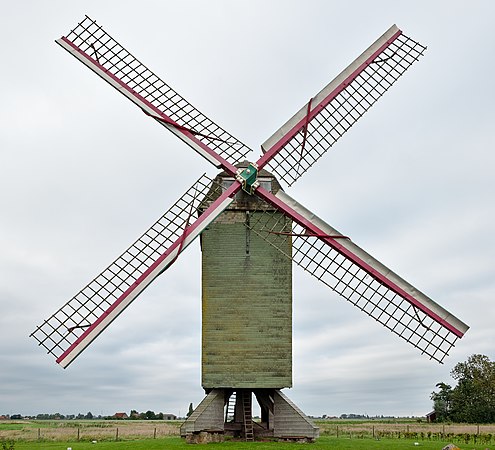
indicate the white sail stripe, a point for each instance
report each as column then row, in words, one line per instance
column 317, row 99
column 374, row 263
column 137, row 101
column 144, row 283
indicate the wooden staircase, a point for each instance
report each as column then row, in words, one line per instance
column 230, row 410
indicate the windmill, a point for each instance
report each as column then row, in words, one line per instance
column 251, row 231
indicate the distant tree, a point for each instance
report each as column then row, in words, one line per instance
column 159, row 416
column 474, row 396
column 133, row 414
column 149, row 415
column 89, row 416
column 473, row 399
column 442, row 402
column 191, row 409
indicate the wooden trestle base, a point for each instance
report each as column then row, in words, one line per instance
column 228, row 412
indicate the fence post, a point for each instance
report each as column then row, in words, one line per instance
column 117, row 434
column 337, row 431
column 78, row 431
column 154, row 434
column 373, row 431
column 39, row 434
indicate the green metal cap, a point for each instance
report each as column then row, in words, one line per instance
column 248, row 178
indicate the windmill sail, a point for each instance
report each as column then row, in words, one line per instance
column 298, row 144
column 95, row 48
column 75, row 325
column 361, row 279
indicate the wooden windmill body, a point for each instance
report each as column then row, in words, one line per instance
column 246, row 323
column 251, row 231
column 246, row 302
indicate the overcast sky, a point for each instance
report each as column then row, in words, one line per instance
column 83, row 173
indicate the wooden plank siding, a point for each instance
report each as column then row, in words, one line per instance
column 208, row 415
column 290, row 421
column 247, row 305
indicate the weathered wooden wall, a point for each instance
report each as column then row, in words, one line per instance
column 290, row 421
column 208, row 415
column 247, row 307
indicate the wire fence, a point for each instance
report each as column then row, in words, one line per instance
column 459, row 433
column 88, row 431
column 103, row 430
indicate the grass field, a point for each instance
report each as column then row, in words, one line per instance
column 337, row 434
column 173, row 443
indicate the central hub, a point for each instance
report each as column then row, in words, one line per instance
column 248, row 178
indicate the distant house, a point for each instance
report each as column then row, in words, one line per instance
column 120, row 415
column 169, row 417
column 431, row 417
column 4, row 417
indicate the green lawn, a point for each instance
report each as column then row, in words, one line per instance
column 323, row 443
column 11, row 426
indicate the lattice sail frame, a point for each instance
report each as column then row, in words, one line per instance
column 107, row 291
column 103, row 54
column 308, row 135
column 433, row 332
